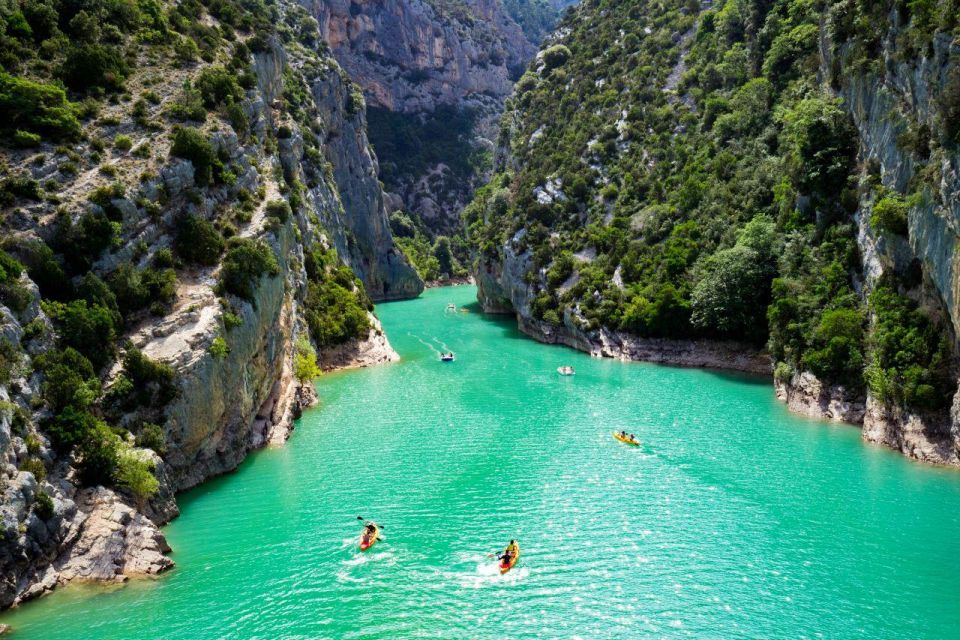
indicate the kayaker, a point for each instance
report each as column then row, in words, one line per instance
column 509, row 552
column 369, row 531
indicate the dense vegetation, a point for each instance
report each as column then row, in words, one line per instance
column 336, row 305
column 441, row 258
column 678, row 171
column 98, row 96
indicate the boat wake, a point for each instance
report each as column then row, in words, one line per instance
column 432, row 348
column 444, row 345
column 486, row 572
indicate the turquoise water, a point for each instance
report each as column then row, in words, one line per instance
column 734, row 520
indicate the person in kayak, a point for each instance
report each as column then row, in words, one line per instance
column 509, row 553
column 369, row 531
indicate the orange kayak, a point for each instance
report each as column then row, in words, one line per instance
column 368, row 541
column 506, row 565
column 626, row 440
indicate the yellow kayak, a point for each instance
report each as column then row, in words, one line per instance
column 626, row 439
column 506, row 565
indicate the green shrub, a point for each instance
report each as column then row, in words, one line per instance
column 43, row 506
column 555, row 56
column 198, row 241
column 151, row 436
column 87, row 66
column 69, row 379
column 36, row 109
column 245, row 263
column 136, row 288
column 87, row 328
column 69, row 427
column 335, row 308
column 36, row 467
column 188, row 106
column 123, row 143
column 192, row 145
column 890, row 214
column 836, row 353
column 135, row 474
column 909, row 354
column 305, row 367
column 218, row 86
column 822, row 145
column 278, row 209
column 99, row 454
column 219, row 347
column 25, row 139
column 10, row 359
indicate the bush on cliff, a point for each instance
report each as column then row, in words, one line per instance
column 305, row 367
column 198, row 241
column 36, row 107
column 87, row 328
column 69, row 379
column 245, row 263
column 191, row 144
column 909, row 354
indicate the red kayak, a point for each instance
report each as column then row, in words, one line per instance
column 367, row 541
column 508, row 563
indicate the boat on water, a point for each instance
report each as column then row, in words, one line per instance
column 446, row 357
column 451, row 307
column 626, row 439
column 509, row 562
column 566, row 371
column 367, row 540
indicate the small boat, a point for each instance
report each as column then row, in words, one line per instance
column 565, row 371
column 446, row 357
column 451, row 307
column 626, row 439
column 506, row 565
column 368, row 541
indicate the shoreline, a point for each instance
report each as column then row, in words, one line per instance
column 923, row 439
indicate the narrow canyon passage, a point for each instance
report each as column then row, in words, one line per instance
column 734, row 519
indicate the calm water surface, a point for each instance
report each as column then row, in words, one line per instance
column 734, row 520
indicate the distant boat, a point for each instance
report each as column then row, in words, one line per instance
column 565, row 371
column 451, row 307
column 446, row 357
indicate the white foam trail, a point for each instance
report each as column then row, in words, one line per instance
column 443, row 344
column 426, row 344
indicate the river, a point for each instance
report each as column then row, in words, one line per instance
column 735, row 519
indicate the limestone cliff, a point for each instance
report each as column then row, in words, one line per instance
column 415, row 58
column 296, row 183
column 896, row 82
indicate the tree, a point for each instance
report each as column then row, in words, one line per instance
column 36, row 107
column 87, row 328
column 821, row 145
column 246, row 261
column 135, row 474
column 731, row 298
column 443, row 254
column 192, row 145
column 198, row 241
column 305, row 366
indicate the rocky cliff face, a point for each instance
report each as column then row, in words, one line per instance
column 231, row 357
column 897, row 97
column 888, row 107
column 414, row 57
